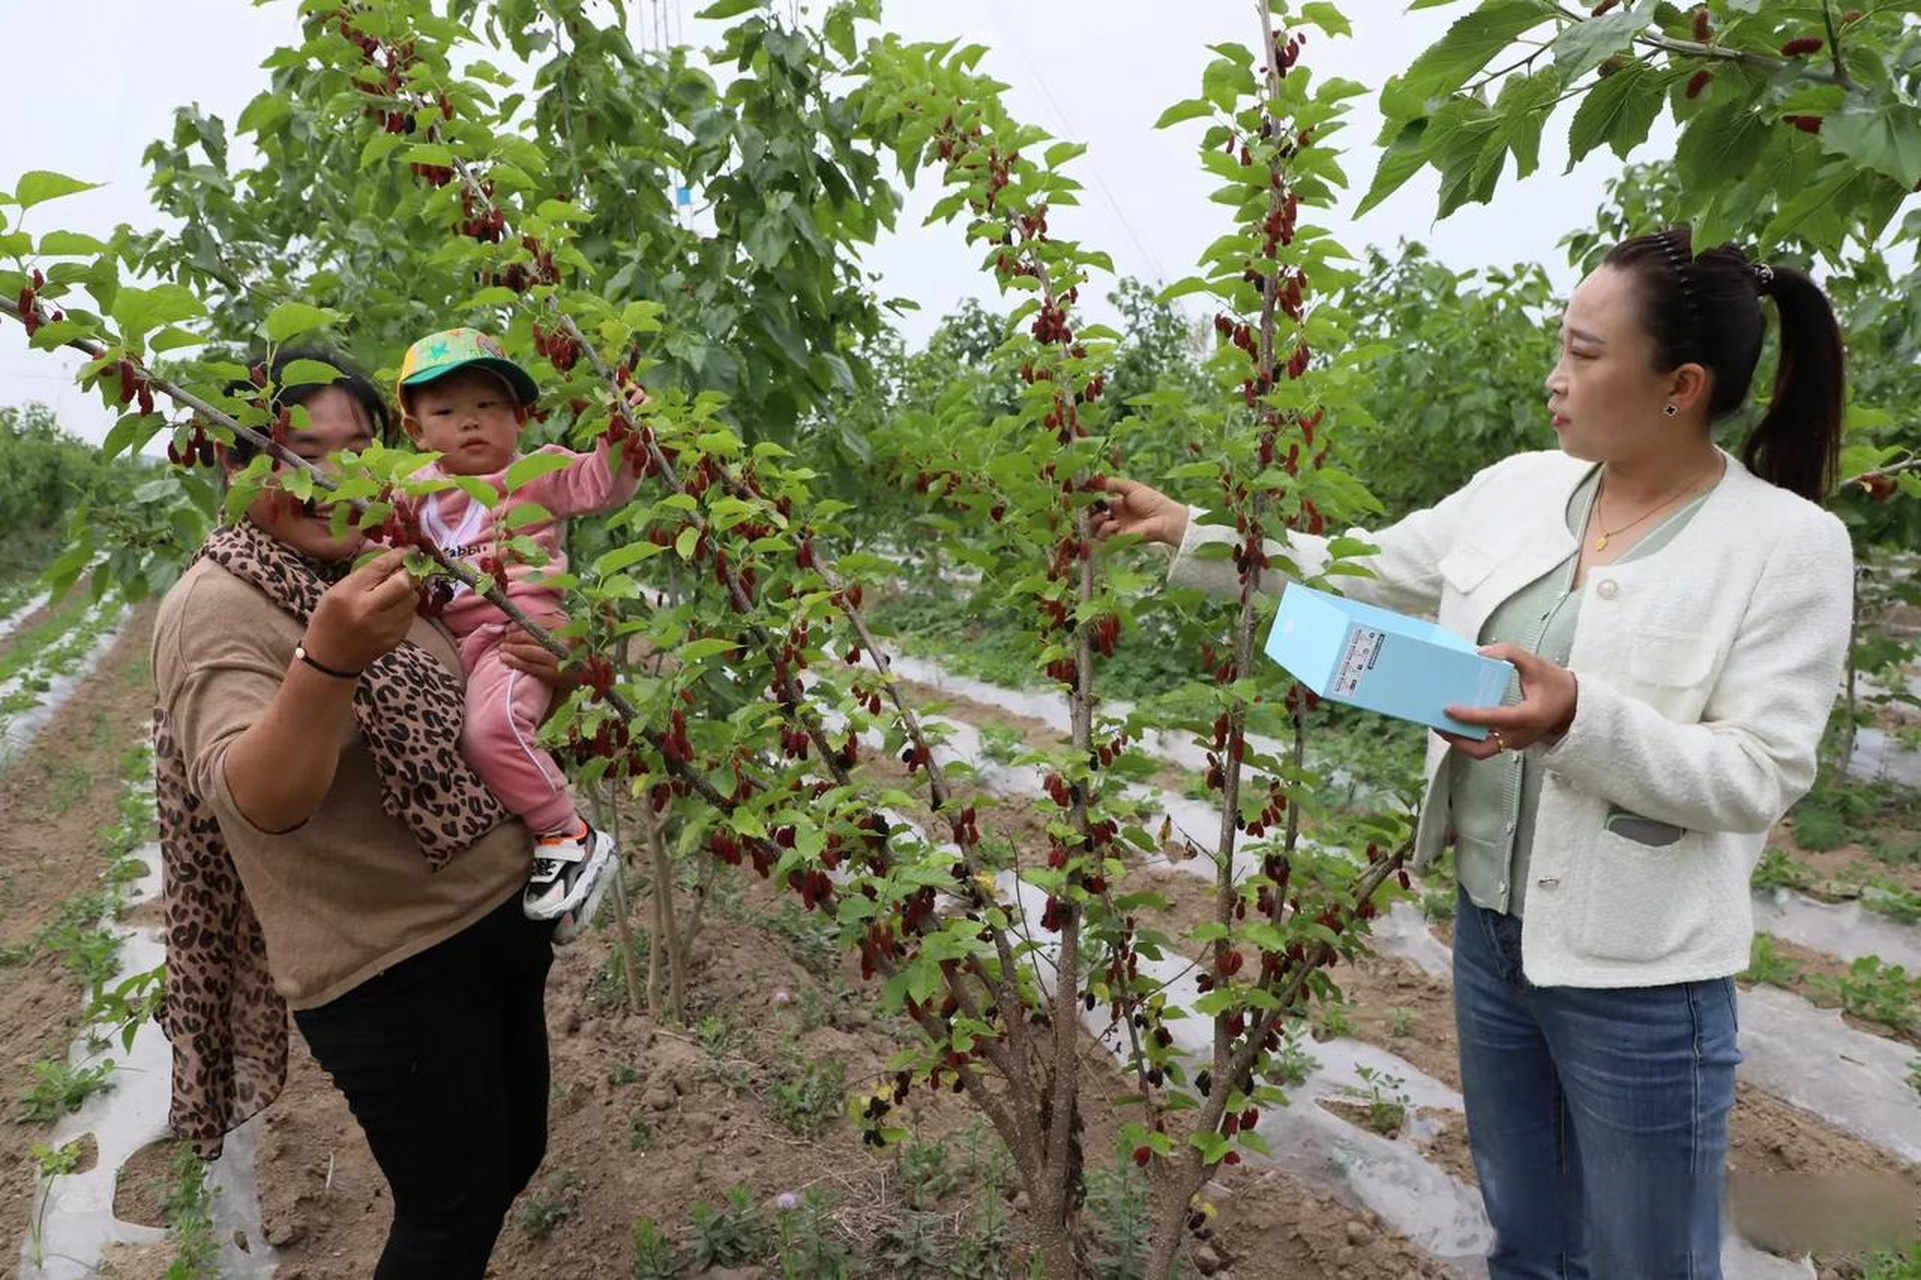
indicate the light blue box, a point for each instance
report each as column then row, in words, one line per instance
column 1383, row 661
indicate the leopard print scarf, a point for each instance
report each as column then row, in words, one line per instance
column 227, row 1023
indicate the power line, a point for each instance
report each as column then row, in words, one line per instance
column 1020, row 48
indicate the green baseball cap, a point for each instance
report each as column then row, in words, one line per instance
column 439, row 354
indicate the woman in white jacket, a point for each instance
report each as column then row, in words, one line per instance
column 1678, row 619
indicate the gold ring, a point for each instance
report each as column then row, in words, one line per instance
column 1500, row 743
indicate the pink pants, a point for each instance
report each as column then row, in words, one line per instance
column 504, row 711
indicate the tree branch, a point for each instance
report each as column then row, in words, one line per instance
column 1889, row 471
column 1841, row 76
column 1718, row 53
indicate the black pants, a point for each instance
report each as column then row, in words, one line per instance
column 443, row 1059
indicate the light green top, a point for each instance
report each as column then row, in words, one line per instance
column 1493, row 802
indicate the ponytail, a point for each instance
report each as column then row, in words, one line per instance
column 1798, row 444
column 1707, row 310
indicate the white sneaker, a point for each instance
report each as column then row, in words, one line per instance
column 574, row 923
column 567, row 870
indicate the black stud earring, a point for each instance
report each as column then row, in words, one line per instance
column 1670, row 411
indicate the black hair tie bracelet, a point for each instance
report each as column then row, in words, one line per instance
column 300, row 652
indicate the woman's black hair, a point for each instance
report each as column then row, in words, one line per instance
column 351, row 380
column 1707, row 310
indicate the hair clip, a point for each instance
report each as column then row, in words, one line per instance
column 1679, row 262
column 1763, row 275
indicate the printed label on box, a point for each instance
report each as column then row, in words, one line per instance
column 1363, row 647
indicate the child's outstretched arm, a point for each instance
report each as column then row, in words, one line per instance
column 589, row 484
column 592, row 482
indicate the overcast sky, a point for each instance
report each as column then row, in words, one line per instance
column 99, row 79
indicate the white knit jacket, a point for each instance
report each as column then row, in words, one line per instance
column 1706, row 674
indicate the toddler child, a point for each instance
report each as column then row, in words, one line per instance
column 462, row 398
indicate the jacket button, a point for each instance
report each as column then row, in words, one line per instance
column 1608, row 589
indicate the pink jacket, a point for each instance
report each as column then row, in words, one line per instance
column 466, row 529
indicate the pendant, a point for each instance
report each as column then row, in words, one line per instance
column 1601, row 543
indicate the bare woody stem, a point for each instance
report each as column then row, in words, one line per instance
column 1231, row 1066
column 1245, row 620
column 1059, row 1111
column 1841, row 76
column 1187, row 1175
column 1890, row 471
column 1719, row 53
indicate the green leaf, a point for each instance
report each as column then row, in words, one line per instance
column 1327, row 18
column 40, row 185
column 534, row 466
column 622, row 556
column 140, row 311
column 1618, row 111
column 726, row 9
column 1839, row 188
column 839, row 30
column 429, row 153
column 266, row 111
column 379, row 147
column 1061, row 152
column 1882, row 134
column 1225, row 81
column 563, row 211
column 684, row 542
column 291, row 319
column 707, row 648
column 524, row 514
column 49, row 336
column 1469, row 45
column 70, row 244
column 1520, row 111
column 1461, row 132
column 300, row 373
column 1719, row 146
column 1403, row 158
column 1585, row 45
column 1191, row 109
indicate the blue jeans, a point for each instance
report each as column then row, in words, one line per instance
column 1598, row 1119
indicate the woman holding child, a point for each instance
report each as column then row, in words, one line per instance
column 340, row 835
column 1678, row 619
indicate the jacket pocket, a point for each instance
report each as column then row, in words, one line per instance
column 1647, row 831
column 1466, row 567
column 1670, row 659
column 1642, row 903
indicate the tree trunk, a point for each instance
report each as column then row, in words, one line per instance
column 664, row 919
column 623, row 924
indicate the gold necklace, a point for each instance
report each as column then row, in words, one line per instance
column 1601, row 543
